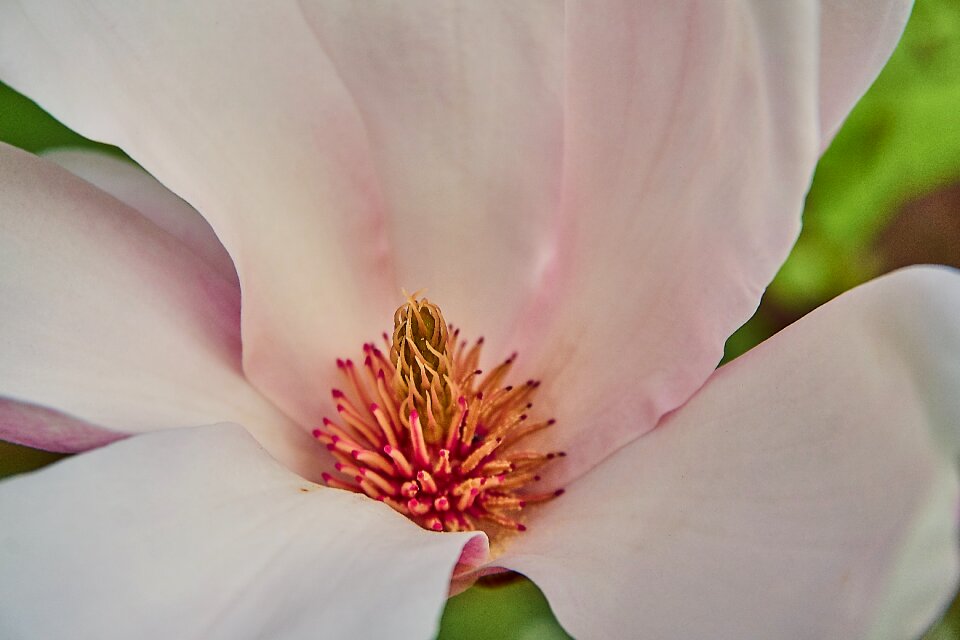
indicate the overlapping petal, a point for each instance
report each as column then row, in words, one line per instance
column 615, row 182
column 235, row 107
column 807, row 491
column 45, row 428
column 691, row 133
column 198, row 533
column 141, row 191
column 462, row 104
column 858, row 37
column 355, row 143
column 113, row 322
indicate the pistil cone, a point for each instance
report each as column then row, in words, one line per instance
column 419, row 355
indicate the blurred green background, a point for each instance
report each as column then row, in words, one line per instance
column 886, row 194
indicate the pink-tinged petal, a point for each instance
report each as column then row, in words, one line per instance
column 463, row 107
column 43, row 428
column 341, row 151
column 136, row 188
column 858, row 37
column 112, row 321
column 808, row 490
column 691, row 134
column 198, row 533
column 236, row 108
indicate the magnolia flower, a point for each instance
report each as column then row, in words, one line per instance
column 605, row 189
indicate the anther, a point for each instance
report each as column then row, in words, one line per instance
column 424, row 430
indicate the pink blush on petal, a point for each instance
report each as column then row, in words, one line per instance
column 33, row 426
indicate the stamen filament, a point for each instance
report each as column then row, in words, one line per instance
column 330, row 481
column 420, row 452
column 429, row 434
column 386, row 426
column 360, row 389
column 389, row 488
column 400, row 460
column 426, row 482
column 371, row 458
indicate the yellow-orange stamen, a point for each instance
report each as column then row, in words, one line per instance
column 427, row 433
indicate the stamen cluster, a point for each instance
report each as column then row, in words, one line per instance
column 426, row 432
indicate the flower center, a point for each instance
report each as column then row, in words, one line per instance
column 431, row 435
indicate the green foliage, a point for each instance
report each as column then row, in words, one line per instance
column 23, row 124
column 15, row 459
column 515, row 610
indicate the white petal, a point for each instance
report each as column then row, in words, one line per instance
column 807, row 491
column 463, row 107
column 197, row 533
column 691, row 136
column 110, row 320
column 858, row 37
column 136, row 188
column 341, row 150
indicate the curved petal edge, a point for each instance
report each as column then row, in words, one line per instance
column 199, row 533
